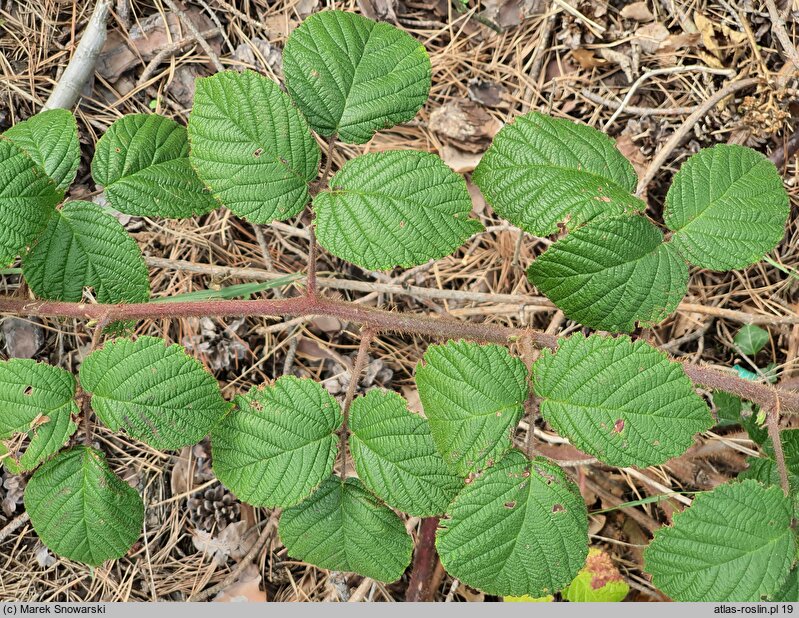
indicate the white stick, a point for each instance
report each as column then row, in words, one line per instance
column 81, row 66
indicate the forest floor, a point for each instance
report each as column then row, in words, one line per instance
column 492, row 60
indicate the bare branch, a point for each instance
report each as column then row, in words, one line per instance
column 81, row 66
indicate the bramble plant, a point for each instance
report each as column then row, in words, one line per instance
column 512, row 523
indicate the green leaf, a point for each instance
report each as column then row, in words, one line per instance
column 541, row 172
column 81, row 510
column 473, row 396
column 764, row 468
column 789, row 593
column 599, row 581
column 727, row 207
column 251, row 146
column 520, row 528
column 27, row 199
column 83, row 246
column 342, row 527
column 352, row 76
column 395, row 456
column 612, row 273
column 238, row 290
column 396, row 208
column 623, row 402
column 751, row 339
column 37, row 402
column 50, row 138
column 734, row 543
column 730, row 410
column 154, row 391
column 279, row 444
column 142, row 161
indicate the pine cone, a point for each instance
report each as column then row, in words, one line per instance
column 11, row 491
column 214, row 507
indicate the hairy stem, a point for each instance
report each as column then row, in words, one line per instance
column 331, row 148
column 85, row 407
column 378, row 319
column 773, row 425
column 310, row 281
column 425, row 559
column 357, row 369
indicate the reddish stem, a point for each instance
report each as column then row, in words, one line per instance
column 357, row 369
column 764, row 395
column 425, row 559
column 773, row 426
column 310, row 281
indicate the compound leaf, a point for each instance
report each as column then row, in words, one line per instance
column 352, row 76
column 251, row 146
column 37, row 403
column 142, row 161
column 541, row 172
column 81, row 510
column 279, row 444
column 727, row 207
column 751, row 339
column 342, row 527
column 154, row 391
column 395, row 456
column 83, row 246
column 520, row 528
column 612, row 273
column 734, row 543
column 473, row 396
column 50, row 138
column 27, row 199
column 396, row 208
column 623, row 402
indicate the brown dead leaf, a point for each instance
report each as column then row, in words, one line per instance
column 624, row 61
column 587, row 59
column 685, row 323
column 281, row 24
column 632, row 153
column 326, row 324
column 651, row 36
column 412, row 397
column 637, row 11
column 380, row 10
column 735, row 37
column 707, row 34
column 232, row 542
column 146, row 39
column 459, row 161
column 509, row 13
column 180, row 481
column 246, row 588
column 670, row 49
column 464, row 125
column 23, row 337
column 316, row 351
column 596, row 523
column 305, row 7
column 478, row 201
column 488, row 93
